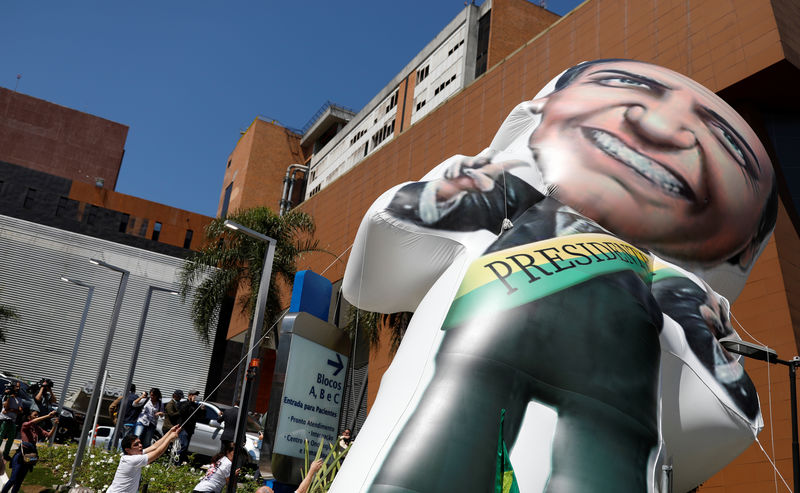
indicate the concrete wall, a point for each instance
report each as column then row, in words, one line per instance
column 87, row 209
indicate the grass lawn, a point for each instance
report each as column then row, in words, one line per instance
column 40, row 480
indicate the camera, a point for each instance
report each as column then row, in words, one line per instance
column 46, row 382
column 9, row 388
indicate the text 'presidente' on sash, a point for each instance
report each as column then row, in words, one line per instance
column 512, row 277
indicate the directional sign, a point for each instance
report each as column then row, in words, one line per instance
column 312, row 398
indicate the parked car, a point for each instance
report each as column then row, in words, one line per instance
column 103, row 436
column 206, row 439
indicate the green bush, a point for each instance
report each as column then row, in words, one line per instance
column 98, row 468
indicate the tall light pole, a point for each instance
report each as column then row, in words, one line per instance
column 255, row 336
column 764, row 353
column 74, row 346
column 101, row 371
column 123, row 406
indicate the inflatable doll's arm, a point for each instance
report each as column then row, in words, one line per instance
column 710, row 409
column 413, row 232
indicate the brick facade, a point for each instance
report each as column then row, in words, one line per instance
column 61, row 141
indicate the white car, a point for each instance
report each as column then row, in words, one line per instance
column 103, row 436
column 206, row 438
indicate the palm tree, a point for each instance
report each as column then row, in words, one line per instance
column 230, row 261
column 370, row 323
column 7, row 313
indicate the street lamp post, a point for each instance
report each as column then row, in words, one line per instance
column 101, row 371
column 764, row 353
column 123, row 406
column 75, row 346
column 255, row 336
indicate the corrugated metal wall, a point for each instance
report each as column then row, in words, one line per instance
column 32, row 260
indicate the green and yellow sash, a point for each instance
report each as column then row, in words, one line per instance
column 515, row 276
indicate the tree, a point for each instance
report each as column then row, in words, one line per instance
column 7, row 313
column 370, row 323
column 230, row 261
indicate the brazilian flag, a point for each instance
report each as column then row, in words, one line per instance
column 504, row 481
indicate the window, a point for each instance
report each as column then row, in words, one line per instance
column 422, row 103
column 226, row 200
column 422, row 73
column 123, row 222
column 483, row 44
column 30, row 197
column 91, row 215
column 392, row 102
column 383, row 133
column 143, row 227
column 156, row 231
column 187, row 240
column 61, row 208
column 359, row 134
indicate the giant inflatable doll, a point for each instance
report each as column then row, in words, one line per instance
column 576, row 274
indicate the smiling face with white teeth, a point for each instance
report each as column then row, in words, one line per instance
column 654, row 157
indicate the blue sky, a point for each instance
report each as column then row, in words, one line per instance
column 186, row 77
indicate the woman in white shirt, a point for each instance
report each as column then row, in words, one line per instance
column 218, row 473
column 152, row 409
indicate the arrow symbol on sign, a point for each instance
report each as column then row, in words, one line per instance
column 336, row 364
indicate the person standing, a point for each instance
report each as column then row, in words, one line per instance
column 27, row 455
column 344, row 440
column 172, row 410
column 228, row 418
column 152, row 409
column 135, row 457
column 189, row 414
column 12, row 409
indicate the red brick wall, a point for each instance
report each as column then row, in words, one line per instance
column 258, row 166
column 61, row 141
column 514, row 22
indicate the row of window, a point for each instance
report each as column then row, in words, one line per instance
column 315, row 190
column 454, row 48
column 420, row 104
column 358, row 135
column 422, row 73
column 66, row 207
column 383, row 133
column 392, row 102
column 444, row 84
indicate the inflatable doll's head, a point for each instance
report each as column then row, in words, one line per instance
column 657, row 159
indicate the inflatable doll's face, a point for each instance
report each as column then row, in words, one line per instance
column 654, row 157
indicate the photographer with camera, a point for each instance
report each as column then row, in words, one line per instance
column 11, row 410
column 45, row 398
